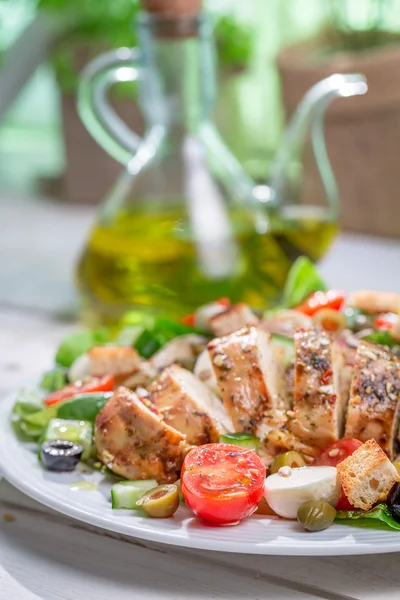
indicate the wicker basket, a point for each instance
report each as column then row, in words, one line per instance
column 362, row 134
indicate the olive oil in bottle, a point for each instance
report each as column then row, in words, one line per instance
column 150, row 261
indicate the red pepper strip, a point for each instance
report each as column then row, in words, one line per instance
column 333, row 299
column 190, row 320
column 385, row 322
column 96, row 384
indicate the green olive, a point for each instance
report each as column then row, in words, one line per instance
column 160, row 502
column 287, row 459
column 330, row 320
column 316, row 515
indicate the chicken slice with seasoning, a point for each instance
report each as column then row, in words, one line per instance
column 135, row 443
column 318, row 412
column 373, row 410
column 189, row 406
column 347, row 347
column 232, row 319
column 250, row 375
column 123, row 362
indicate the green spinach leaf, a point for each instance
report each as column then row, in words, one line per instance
column 76, row 344
column 378, row 517
column 54, row 380
column 156, row 335
column 302, row 281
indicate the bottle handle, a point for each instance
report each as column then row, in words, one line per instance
column 94, row 108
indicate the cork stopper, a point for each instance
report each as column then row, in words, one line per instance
column 173, row 7
column 173, row 19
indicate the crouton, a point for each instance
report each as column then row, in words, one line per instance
column 375, row 302
column 367, row 476
column 233, row 319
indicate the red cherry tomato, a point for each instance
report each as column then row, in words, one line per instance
column 332, row 299
column 222, row 483
column 386, row 322
column 225, row 302
column 96, row 384
column 190, row 320
column 332, row 456
column 344, row 503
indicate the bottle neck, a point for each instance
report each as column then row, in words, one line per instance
column 178, row 80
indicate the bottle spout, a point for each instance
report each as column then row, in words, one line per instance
column 348, row 85
column 309, row 118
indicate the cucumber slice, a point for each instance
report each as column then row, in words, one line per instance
column 126, row 494
column 246, row 440
column 79, row 432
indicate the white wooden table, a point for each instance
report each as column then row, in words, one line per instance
column 46, row 556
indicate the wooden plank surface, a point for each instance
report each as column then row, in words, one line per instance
column 46, row 556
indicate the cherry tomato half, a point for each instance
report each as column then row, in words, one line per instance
column 332, row 456
column 190, row 320
column 222, row 483
column 332, row 299
column 386, row 322
column 96, row 384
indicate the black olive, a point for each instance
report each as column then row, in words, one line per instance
column 393, row 501
column 59, row 455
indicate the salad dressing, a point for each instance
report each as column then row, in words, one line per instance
column 83, row 486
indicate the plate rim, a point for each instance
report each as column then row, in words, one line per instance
column 72, row 510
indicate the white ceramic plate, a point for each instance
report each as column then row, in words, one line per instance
column 256, row 535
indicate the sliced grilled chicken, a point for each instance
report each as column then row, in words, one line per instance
column 318, row 409
column 286, row 322
column 250, row 375
column 143, row 376
column 182, row 350
column 123, row 362
column 373, row 410
column 375, row 302
column 135, row 443
column 347, row 347
column 204, row 371
column 234, row 318
column 113, row 360
column 189, row 406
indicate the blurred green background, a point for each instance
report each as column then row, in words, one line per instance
column 249, row 35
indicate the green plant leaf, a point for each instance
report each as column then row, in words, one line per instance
column 156, row 335
column 378, row 517
column 383, row 338
column 302, row 281
column 82, row 408
column 54, row 380
column 76, row 344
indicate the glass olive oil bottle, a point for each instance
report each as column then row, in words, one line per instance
column 185, row 225
column 150, row 262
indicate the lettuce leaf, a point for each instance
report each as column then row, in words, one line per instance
column 302, row 281
column 378, row 517
column 54, row 380
column 76, row 344
column 384, row 338
column 28, row 403
column 158, row 333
